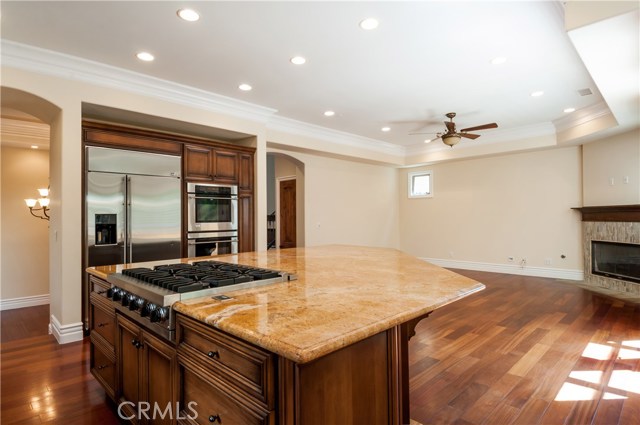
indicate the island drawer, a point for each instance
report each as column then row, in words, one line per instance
column 205, row 404
column 98, row 285
column 103, row 368
column 244, row 366
column 102, row 319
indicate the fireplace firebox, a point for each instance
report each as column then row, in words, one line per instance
column 616, row 260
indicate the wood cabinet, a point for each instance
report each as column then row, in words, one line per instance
column 198, row 163
column 245, row 223
column 245, row 178
column 102, row 324
column 146, row 374
column 212, row 164
column 230, row 381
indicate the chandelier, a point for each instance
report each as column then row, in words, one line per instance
column 43, row 201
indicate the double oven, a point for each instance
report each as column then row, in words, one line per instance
column 212, row 224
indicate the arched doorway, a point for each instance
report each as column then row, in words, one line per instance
column 26, row 248
column 285, row 201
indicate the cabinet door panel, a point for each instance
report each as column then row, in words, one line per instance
column 103, row 322
column 213, row 405
column 245, row 225
column 198, row 162
column 245, row 179
column 158, row 377
column 225, row 166
column 129, row 359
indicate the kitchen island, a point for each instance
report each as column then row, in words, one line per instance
column 330, row 347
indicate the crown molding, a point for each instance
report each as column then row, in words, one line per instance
column 48, row 62
column 288, row 125
column 582, row 116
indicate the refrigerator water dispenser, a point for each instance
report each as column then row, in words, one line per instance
column 106, row 229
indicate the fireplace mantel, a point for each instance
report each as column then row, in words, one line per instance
column 622, row 213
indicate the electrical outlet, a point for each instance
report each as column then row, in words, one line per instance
column 626, row 180
column 548, row 261
column 523, row 262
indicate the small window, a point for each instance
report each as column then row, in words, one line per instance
column 421, row 184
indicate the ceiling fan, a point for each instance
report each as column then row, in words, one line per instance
column 451, row 137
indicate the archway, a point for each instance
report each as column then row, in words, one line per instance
column 48, row 113
column 285, row 168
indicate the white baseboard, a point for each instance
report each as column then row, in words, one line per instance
column 12, row 303
column 509, row 269
column 65, row 333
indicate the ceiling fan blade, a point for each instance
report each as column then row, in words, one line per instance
column 428, row 132
column 451, row 126
column 481, row 127
column 469, row 136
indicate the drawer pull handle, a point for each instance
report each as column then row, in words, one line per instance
column 102, row 367
column 213, row 354
column 213, row 418
column 136, row 343
column 102, row 325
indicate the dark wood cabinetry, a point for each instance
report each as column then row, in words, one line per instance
column 102, row 325
column 245, row 223
column 146, row 373
column 198, row 163
column 225, row 166
column 229, row 380
column 245, row 178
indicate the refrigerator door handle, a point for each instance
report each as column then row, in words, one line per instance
column 127, row 197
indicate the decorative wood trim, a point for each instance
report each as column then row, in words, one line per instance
column 625, row 213
column 137, row 133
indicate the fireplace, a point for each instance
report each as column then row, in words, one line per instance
column 616, row 260
column 611, row 244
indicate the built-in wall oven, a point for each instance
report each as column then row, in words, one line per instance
column 212, row 207
column 212, row 243
column 212, row 219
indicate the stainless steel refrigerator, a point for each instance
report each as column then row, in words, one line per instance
column 133, row 206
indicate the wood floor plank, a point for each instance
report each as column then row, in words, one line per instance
column 532, row 356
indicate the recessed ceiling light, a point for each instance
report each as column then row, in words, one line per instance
column 188, row 15
column 499, row 60
column 537, row 93
column 145, row 56
column 34, row 147
column 369, row 24
column 329, row 113
column 569, row 110
column 245, row 87
column 298, row 60
column 386, row 129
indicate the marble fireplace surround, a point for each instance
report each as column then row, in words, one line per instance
column 616, row 223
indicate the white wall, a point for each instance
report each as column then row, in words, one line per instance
column 484, row 210
column 348, row 202
column 24, row 239
column 616, row 158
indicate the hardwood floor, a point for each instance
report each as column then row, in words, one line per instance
column 44, row 382
column 527, row 351
column 524, row 351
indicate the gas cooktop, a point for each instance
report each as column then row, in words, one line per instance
column 163, row 285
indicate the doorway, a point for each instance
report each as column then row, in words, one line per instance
column 285, row 201
column 287, row 212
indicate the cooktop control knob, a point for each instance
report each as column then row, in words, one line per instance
column 128, row 299
column 148, row 309
column 160, row 314
column 117, row 294
column 137, row 304
column 110, row 292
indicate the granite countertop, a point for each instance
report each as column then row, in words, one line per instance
column 343, row 294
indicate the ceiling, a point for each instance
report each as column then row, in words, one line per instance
column 425, row 58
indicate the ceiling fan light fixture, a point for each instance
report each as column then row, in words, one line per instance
column 451, row 139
